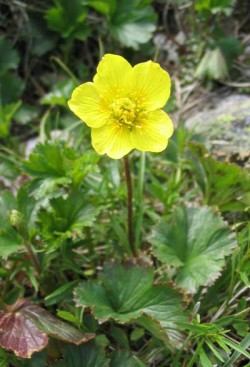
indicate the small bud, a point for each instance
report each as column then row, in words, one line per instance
column 15, row 218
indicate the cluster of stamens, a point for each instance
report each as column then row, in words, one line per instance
column 125, row 112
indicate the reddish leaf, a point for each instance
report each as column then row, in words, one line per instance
column 20, row 335
column 52, row 326
column 25, row 329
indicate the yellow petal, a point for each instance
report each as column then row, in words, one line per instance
column 153, row 133
column 112, row 139
column 150, row 85
column 87, row 105
column 110, row 80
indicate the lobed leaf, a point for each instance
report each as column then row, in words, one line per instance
column 194, row 244
column 66, row 218
column 126, row 293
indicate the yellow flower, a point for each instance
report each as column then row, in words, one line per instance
column 123, row 107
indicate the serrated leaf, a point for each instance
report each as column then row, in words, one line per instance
column 25, row 329
column 195, row 243
column 47, row 160
column 125, row 293
column 66, row 218
column 87, row 355
column 9, row 58
column 56, row 161
column 20, row 335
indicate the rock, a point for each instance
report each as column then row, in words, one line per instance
column 226, row 127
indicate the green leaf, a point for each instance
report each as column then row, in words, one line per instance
column 55, row 160
column 224, row 185
column 212, row 66
column 205, row 362
column 105, row 7
column 66, row 218
column 59, row 94
column 132, row 24
column 125, row 293
column 6, row 115
column 10, row 240
column 67, row 17
column 120, row 336
column 9, row 58
column 60, row 293
column 231, row 48
column 51, row 325
column 37, row 360
column 237, row 347
column 195, row 244
column 26, row 114
column 214, row 6
column 43, row 40
column 244, row 344
column 86, row 355
column 123, row 359
column 46, row 161
column 11, row 87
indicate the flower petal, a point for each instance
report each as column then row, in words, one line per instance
column 150, row 85
column 110, row 80
column 87, row 105
column 153, row 133
column 112, row 139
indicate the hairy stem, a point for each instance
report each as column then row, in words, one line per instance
column 130, row 205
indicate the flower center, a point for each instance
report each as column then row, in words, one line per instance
column 125, row 112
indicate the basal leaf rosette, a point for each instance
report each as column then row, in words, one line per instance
column 123, row 107
column 127, row 293
column 195, row 244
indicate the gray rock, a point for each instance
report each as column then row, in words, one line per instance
column 226, row 127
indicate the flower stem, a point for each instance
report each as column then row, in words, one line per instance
column 130, row 205
column 140, row 208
